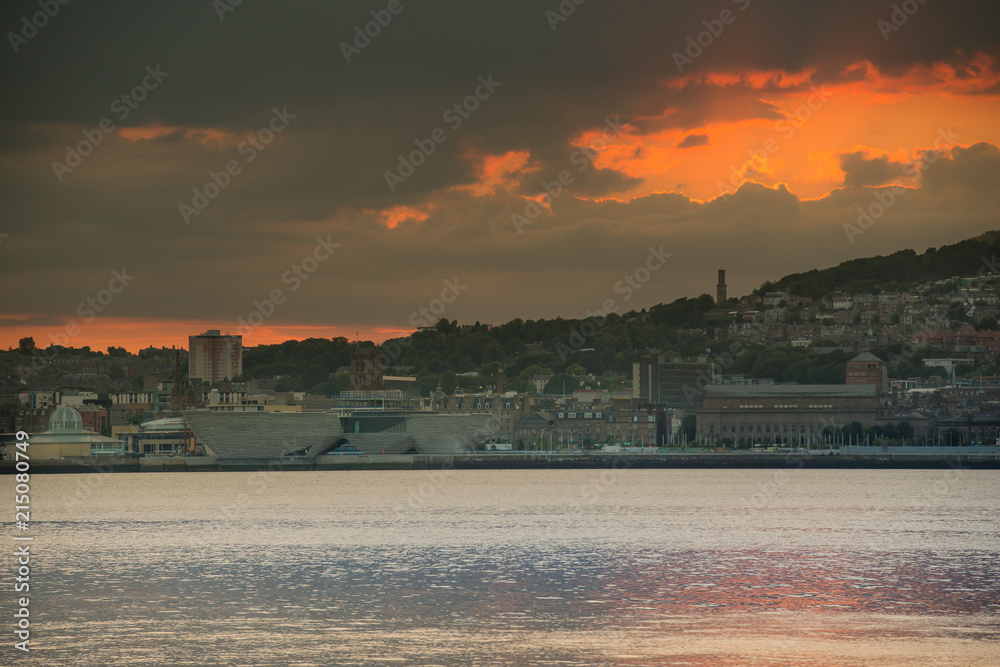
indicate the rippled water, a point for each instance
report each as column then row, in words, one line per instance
column 527, row 567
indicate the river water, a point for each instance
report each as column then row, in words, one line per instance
column 515, row 567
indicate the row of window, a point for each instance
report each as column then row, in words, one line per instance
column 599, row 415
column 768, row 428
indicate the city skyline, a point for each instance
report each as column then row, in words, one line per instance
column 199, row 170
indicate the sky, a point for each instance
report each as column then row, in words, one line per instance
column 287, row 170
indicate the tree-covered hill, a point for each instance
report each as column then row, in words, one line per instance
column 452, row 356
column 895, row 272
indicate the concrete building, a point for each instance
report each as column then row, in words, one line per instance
column 159, row 437
column 677, row 384
column 367, row 371
column 215, row 358
column 235, row 437
column 783, row 414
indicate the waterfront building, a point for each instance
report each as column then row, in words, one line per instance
column 268, row 436
column 159, row 437
column 67, row 438
column 783, row 414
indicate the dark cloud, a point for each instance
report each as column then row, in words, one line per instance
column 353, row 121
column 860, row 170
column 692, row 140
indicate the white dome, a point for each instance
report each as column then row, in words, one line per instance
column 66, row 418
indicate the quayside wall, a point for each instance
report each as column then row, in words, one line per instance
column 816, row 459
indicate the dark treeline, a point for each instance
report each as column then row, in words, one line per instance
column 896, row 272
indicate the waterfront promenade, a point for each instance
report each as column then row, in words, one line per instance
column 849, row 457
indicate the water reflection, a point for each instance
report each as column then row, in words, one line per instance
column 646, row 583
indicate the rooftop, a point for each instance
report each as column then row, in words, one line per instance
column 782, row 390
column 867, row 356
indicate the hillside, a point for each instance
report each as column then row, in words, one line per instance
column 470, row 356
column 898, row 271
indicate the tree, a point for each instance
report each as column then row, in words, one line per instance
column 988, row 323
column 26, row 345
column 689, row 427
column 562, row 383
column 493, row 352
column 448, row 382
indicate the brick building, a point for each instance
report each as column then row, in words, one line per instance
column 866, row 368
column 783, row 414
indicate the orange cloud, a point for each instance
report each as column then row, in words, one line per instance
column 200, row 134
column 816, row 122
column 391, row 217
column 135, row 334
column 496, row 173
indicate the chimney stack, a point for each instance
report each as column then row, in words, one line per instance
column 720, row 289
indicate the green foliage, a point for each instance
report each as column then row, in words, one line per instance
column 988, row 324
column 563, row 383
column 688, row 428
column 446, row 353
column 895, row 272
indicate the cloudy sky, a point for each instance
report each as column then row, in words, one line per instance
column 218, row 156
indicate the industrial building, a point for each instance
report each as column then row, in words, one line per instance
column 783, row 414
